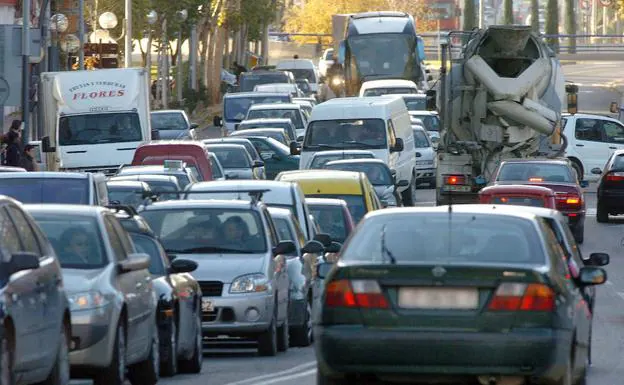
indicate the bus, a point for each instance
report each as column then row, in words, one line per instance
column 380, row 45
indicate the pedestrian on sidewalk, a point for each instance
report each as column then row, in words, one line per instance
column 28, row 158
column 13, row 154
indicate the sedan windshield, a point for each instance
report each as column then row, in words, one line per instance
column 431, row 122
column 331, row 221
column 149, row 246
column 518, row 201
column 208, row 230
column 235, row 109
column 99, row 128
column 355, row 204
column 535, row 172
column 290, row 113
column 378, row 174
column 415, row 103
column 346, row 133
column 421, row 140
column 444, row 238
column 47, row 190
column 389, row 91
column 76, row 239
column 231, row 157
column 168, row 121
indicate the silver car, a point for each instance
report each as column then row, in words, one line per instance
column 320, row 158
column 242, row 265
column 425, row 158
column 236, row 161
column 112, row 302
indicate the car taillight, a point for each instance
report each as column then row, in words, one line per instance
column 355, row 293
column 569, row 201
column 523, row 297
column 615, row 177
column 454, row 179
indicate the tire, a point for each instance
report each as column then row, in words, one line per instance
column 283, row 336
column 589, row 348
column 60, row 372
column 169, row 363
column 409, row 195
column 602, row 214
column 323, row 379
column 115, row 373
column 267, row 341
column 302, row 335
column 147, row 372
column 579, row 234
column 7, row 358
column 578, row 167
column 195, row 362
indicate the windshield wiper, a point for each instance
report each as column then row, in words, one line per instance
column 384, row 249
column 321, row 145
column 355, row 142
column 210, row 249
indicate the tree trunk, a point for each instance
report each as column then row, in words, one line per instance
column 508, row 17
column 217, row 62
column 209, row 63
column 535, row 24
column 469, row 16
column 552, row 23
column 570, row 25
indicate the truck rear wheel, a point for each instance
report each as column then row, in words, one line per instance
column 409, row 195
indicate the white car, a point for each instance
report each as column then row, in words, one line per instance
column 281, row 110
column 326, row 61
column 388, row 86
column 425, row 158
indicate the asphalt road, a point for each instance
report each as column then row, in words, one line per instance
column 599, row 84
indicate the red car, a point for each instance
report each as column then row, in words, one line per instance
column 194, row 154
column 555, row 174
column 520, row 195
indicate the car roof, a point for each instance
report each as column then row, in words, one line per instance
column 389, row 83
column 83, row 210
column 147, row 177
column 263, row 120
column 280, row 212
column 45, row 174
column 200, row 203
column 339, row 152
column 172, row 143
column 252, row 130
column 241, row 184
column 168, row 112
column 275, row 106
column 127, row 183
column 311, row 175
column 225, row 140
column 423, row 113
column 146, row 169
column 505, row 210
column 563, row 162
column 325, row 202
column 517, row 188
column 226, row 145
column 414, row 96
column 12, row 169
column 618, row 152
column 359, row 160
column 237, row 95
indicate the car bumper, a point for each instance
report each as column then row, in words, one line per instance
column 613, row 200
column 296, row 312
column 425, row 175
column 93, row 337
column 575, row 218
column 233, row 315
column 540, row 354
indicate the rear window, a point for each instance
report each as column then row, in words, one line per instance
column 535, row 172
column 444, row 238
column 518, row 201
column 249, row 81
column 47, row 190
column 389, row 91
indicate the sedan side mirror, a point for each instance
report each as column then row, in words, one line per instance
column 217, row 121
column 22, row 261
column 323, row 269
column 313, row 247
column 598, row 259
column 590, row 276
column 402, row 183
column 334, row 247
column 294, row 148
column 45, row 145
column 194, row 125
column 183, row 266
column 324, row 239
column 257, row 163
column 284, row 247
column 398, row 145
column 138, row 261
column 596, row 171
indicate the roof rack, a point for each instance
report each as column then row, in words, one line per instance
column 131, row 211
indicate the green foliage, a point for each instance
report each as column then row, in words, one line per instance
column 255, row 14
column 470, row 15
column 508, row 12
column 535, row 16
column 570, row 23
column 552, row 23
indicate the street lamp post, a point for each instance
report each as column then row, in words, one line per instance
column 182, row 15
column 128, row 40
column 152, row 18
column 81, row 33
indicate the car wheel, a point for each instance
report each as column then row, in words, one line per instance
column 267, row 341
column 147, row 372
column 578, row 168
column 7, row 359
column 302, row 335
column 115, row 374
column 409, row 195
column 579, row 234
column 60, row 372
column 195, row 362
column 602, row 214
column 323, row 379
column 283, row 335
column 169, row 365
column 589, row 347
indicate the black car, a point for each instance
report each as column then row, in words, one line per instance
column 610, row 191
column 35, row 324
column 179, row 298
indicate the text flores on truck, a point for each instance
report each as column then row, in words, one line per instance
column 503, row 94
column 95, row 120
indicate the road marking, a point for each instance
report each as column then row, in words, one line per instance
column 253, row 380
column 591, row 212
column 286, row 378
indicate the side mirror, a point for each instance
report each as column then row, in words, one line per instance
column 418, row 154
column 194, row 125
column 430, row 100
column 313, row 247
column 257, row 163
column 590, row 276
column 284, row 247
column 613, row 108
column 398, row 146
column 294, row 148
column 217, row 121
column 402, row 183
column 598, row 259
column 323, row 269
column 45, row 145
column 155, row 135
column 138, row 261
column 23, row 261
column 324, row 239
column 183, row 266
column 584, row 183
column 596, row 171
column 334, row 247
column 572, row 92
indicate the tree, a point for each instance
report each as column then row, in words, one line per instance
column 470, row 17
column 508, row 17
column 570, row 24
column 552, row 23
column 535, row 25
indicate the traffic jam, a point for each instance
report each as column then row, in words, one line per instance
column 139, row 244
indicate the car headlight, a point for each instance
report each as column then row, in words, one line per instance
column 424, row 163
column 87, row 300
column 336, row 81
column 250, row 283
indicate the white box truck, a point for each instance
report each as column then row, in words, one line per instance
column 94, row 120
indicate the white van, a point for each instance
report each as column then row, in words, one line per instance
column 302, row 69
column 377, row 124
column 388, row 87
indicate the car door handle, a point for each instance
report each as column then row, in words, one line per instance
column 580, row 145
column 613, row 148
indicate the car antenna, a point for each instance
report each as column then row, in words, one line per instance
column 384, row 248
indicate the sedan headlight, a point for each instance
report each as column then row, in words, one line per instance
column 87, row 300
column 250, row 283
column 424, row 163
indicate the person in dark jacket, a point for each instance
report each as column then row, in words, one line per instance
column 13, row 154
column 28, row 158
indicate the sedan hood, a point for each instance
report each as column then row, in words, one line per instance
column 78, row 280
column 173, row 134
column 224, row 267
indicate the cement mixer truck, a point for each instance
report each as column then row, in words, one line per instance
column 502, row 95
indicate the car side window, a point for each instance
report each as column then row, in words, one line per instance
column 589, row 129
column 271, row 228
column 124, row 237
column 115, row 242
column 8, row 234
column 391, row 133
column 557, row 254
column 25, row 231
column 265, row 151
column 613, row 131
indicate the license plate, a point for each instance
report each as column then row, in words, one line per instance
column 207, row 306
column 457, row 188
column 438, row 298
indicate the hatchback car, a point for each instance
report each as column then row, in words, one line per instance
column 241, row 265
column 255, row 156
column 236, row 161
column 610, row 192
column 276, row 156
column 485, row 279
column 333, row 217
column 113, row 304
column 173, row 124
column 183, row 174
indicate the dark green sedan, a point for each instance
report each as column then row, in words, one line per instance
column 473, row 293
column 276, row 155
